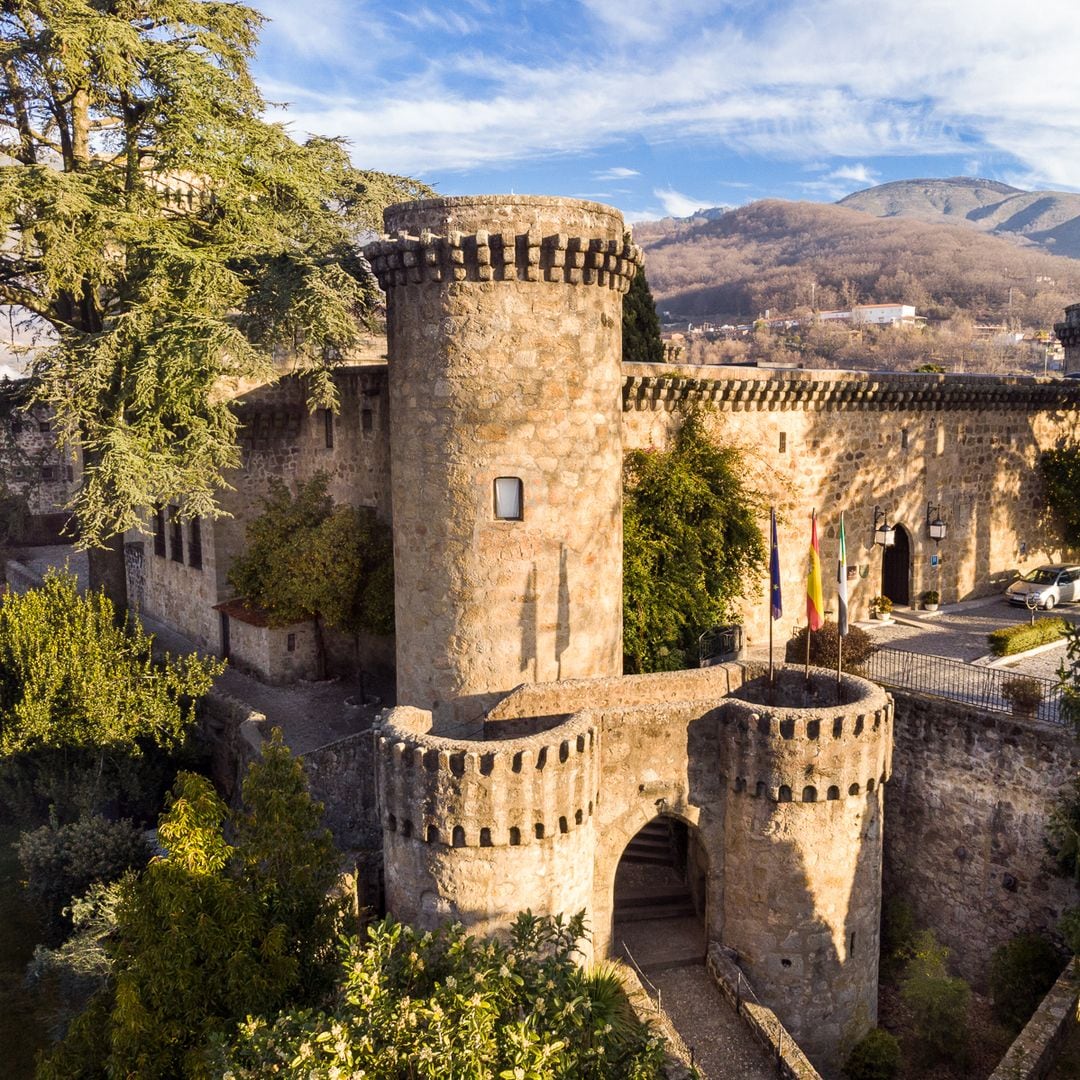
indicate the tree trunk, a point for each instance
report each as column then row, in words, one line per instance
column 320, row 650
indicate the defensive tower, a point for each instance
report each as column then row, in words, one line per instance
column 504, row 337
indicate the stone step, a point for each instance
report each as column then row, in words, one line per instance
column 647, row 858
column 634, row 898
column 656, row 911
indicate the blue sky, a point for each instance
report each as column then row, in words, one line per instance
column 662, row 106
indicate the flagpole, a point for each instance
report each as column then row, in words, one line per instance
column 842, row 618
column 809, row 618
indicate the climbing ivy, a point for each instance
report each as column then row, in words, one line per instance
column 1060, row 470
column 691, row 546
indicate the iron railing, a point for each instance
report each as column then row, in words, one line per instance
column 956, row 680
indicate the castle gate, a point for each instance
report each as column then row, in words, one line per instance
column 784, row 802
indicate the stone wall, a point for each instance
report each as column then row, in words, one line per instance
column 965, row 817
column 504, row 318
column 854, row 441
column 281, row 439
column 30, row 461
column 1036, row 1048
column 784, row 804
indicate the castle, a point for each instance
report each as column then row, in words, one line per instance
column 520, row 762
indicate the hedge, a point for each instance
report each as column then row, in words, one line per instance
column 1024, row 636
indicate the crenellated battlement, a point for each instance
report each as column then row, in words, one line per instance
column 465, row 793
column 740, row 389
column 503, row 256
column 820, row 753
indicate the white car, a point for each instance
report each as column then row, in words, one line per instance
column 1046, row 586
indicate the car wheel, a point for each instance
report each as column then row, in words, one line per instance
column 1049, row 603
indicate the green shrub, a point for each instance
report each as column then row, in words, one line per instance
column 62, row 862
column 938, row 1002
column 1021, row 973
column 1069, row 928
column 1022, row 692
column 874, row 1057
column 898, row 934
column 1023, row 636
column 1062, row 838
column 858, row 647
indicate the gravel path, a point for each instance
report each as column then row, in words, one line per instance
column 671, row 952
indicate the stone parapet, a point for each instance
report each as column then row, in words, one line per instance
column 821, row 753
column 506, row 256
column 1033, row 1053
column 463, row 793
column 665, row 386
column 763, row 1023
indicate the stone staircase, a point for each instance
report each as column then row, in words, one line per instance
column 649, row 884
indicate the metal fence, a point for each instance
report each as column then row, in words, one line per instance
column 959, row 681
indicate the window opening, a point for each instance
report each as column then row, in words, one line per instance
column 509, row 498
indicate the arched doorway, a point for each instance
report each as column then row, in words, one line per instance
column 896, row 569
column 661, row 895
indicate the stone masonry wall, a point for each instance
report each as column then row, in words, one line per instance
column 280, row 439
column 965, row 817
column 504, row 319
column 803, row 843
column 477, row 831
column 785, row 804
column 854, row 441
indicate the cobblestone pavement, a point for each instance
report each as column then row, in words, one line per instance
column 310, row 714
column 958, row 632
column 671, row 953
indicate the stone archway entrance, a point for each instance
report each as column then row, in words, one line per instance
column 896, row 569
column 661, row 894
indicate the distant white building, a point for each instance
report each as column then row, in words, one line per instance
column 884, row 314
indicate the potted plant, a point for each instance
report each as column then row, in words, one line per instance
column 930, row 600
column 1023, row 693
column 881, row 609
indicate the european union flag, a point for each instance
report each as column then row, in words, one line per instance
column 775, row 602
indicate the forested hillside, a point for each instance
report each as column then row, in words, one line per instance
column 794, row 257
column 1050, row 220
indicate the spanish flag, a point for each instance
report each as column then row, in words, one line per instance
column 815, row 605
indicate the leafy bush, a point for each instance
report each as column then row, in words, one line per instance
column 70, row 677
column 692, row 546
column 1060, row 469
column 1021, row 972
column 858, row 647
column 433, row 1005
column 62, row 862
column 1023, row 636
column 308, row 558
column 898, row 933
column 216, row 931
column 931, row 596
column 1069, row 928
column 874, row 1057
column 938, row 1002
column 1063, row 832
column 880, row 605
column 1022, row 692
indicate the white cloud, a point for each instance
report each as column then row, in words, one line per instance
column 801, row 81
column 857, row 174
column 619, row 172
column 676, row 203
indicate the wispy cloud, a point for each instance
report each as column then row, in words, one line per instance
column 676, row 203
column 619, row 172
column 798, row 81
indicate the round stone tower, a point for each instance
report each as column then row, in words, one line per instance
column 504, row 319
column 803, row 852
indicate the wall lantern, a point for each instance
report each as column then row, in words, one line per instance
column 937, row 528
column 884, row 533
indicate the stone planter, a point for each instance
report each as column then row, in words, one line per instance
column 930, row 607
